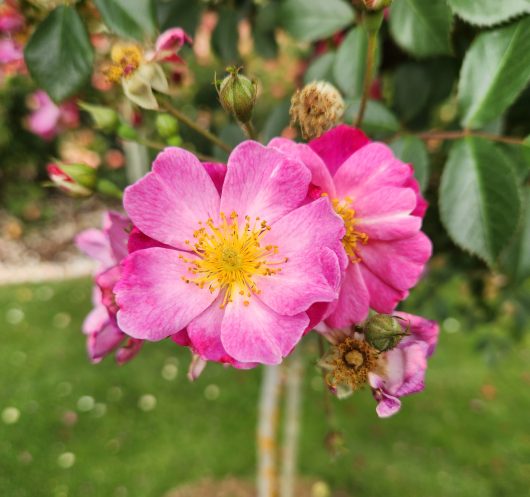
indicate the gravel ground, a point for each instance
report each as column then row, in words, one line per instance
column 45, row 250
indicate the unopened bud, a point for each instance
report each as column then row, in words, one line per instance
column 166, row 125
column 76, row 180
column 383, row 332
column 377, row 4
column 237, row 95
column 316, row 108
column 127, row 132
column 104, row 118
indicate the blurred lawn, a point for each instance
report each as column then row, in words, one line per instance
column 90, row 430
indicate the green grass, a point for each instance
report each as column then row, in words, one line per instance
column 467, row 435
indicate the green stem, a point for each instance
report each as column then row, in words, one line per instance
column 250, row 130
column 370, row 60
column 193, row 125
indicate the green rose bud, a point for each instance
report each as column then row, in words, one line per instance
column 237, row 95
column 174, row 141
column 166, row 125
column 76, row 180
column 127, row 132
column 104, row 118
column 383, row 332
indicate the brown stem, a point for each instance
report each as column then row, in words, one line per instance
column 457, row 135
column 193, row 125
column 369, row 69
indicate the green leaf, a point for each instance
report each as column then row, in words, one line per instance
column 277, row 121
column 311, row 20
column 226, row 36
column 488, row 12
column 412, row 88
column 412, row 150
column 495, row 70
column 264, row 31
column 378, row 120
column 350, row 63
column 422, row 27
column 479, row 198
column 321, row 69
column 129, row 18
column 59, row 55
column 183, row 13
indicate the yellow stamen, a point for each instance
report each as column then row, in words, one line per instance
column 230, row 255
column 353, row 236
column 126, row 58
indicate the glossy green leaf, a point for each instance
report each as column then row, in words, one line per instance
column 479, row 198
column 311, row 20
column 412, row 150
column 129, row 18
column 59, row 55
column 321, row 68
column 412, row 88
column 489, row 12
column 226, row 36
column 496, row 69
column 378, row 120
column 422, row 27
column 350, row 63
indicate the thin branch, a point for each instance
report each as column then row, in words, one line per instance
column 368, row 72
column 250, row 130
column 457, row 135
column 193, row 125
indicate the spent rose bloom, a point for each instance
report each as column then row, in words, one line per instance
column 242, row 274
column 107, row 246
column 352, row 362
column 378, row 198
column 48, row 119
column 403, row 368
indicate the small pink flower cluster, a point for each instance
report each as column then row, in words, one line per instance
column 11, row 50
column 238, row 262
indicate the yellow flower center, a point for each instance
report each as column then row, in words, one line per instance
column 352, row 237
column 230, row 256
column 126, row 58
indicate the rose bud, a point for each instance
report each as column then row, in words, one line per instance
column 76, row 180
column 237, row 95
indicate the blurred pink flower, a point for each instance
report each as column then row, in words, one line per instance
column 10, row 51
column 238, row 273
column 48, row 119
column 379, row 200
column 169, row 43
column 109, row 247
column 402, row 370
column 11, row 19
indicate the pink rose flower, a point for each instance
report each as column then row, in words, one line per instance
column 402, row 369
column 169, row 43
column 379, row 200
column 239, row 273
column 48, row 119
column 107, row 246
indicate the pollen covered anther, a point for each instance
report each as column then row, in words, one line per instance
column 230, row 256
column 353, row 236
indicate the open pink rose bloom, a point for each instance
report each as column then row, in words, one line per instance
column 239, row 261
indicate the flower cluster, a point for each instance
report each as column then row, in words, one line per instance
column 238, row 261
